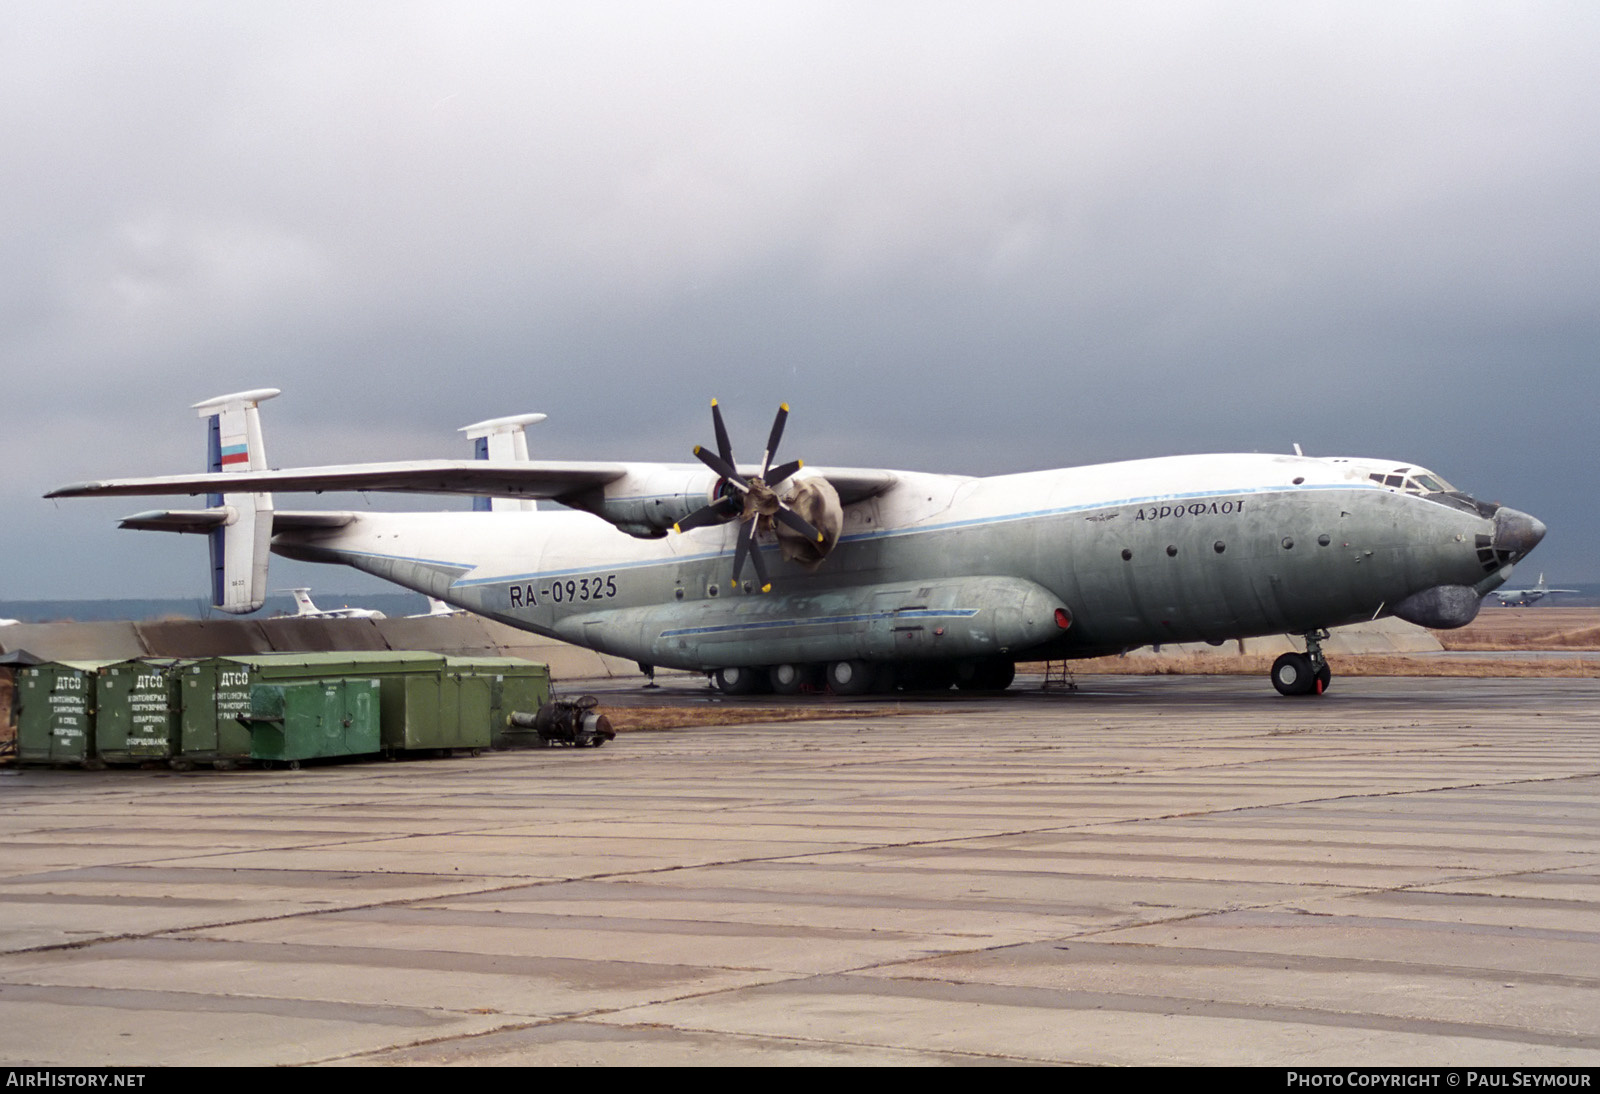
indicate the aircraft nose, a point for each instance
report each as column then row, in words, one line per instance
column 1516, row 531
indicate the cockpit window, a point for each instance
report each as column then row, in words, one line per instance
column 1411, row 480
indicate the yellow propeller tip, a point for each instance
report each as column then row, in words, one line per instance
column 784, row 407
column 766, row 588
column 675, row 528
column 713, row 402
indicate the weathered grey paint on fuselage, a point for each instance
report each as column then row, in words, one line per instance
column 1229, row 549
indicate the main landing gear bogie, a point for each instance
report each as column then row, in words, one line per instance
column 857, row 677
column 1303, row 673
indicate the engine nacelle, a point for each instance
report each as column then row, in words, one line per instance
column 648, row 502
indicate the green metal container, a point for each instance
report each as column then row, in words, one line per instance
column 421, row 700
column 513, row 685
column 136, row 711
column 56, row 712
column 213, row 726
column 314, row 719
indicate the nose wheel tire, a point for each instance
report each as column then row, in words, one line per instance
column 1292, row 674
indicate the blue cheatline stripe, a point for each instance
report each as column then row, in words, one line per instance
column 827, row 620
column 910, row 530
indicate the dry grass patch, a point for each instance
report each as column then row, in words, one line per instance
column 1527, row 629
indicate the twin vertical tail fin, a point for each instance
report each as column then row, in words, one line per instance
column 240, row 545
column 501, row 439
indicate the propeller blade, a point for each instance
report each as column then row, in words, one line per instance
column 755, row 560
column 774, row 437
column 797, row 522
column 715, row 513
column 753, row 497
column 747, row 535
column 724, row 448
column 723, row 468
column 783, row 471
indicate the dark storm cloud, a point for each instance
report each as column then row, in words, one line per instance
column 964, row 237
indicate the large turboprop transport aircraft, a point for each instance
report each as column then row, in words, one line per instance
column 795, row 578
column 1526, row 598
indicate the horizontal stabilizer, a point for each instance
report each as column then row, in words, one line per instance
column 204, row 521
column 198, row 521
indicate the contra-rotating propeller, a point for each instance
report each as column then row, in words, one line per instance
column 752, row 499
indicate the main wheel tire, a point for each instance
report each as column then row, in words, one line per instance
column 740, row 680
column 988, row 674
column 792, row 678
column 885, row 678
column 1292, row 674
column 934, row 676
column 1000, row 674
column 850, row 677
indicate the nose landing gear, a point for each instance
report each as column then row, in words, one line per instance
column 1303, row 673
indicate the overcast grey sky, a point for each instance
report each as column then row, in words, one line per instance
column 954, row 236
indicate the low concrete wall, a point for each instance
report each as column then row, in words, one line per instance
column 454, row 634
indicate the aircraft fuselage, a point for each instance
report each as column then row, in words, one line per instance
column 1067, row 563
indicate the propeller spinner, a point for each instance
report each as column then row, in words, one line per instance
column 754, row 499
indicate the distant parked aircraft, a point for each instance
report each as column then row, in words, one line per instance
column 1513, row 598
column 305, row 609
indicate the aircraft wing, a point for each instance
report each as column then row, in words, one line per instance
column 553, row 479
column 521, row 479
